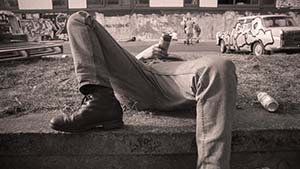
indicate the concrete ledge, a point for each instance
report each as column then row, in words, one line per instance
column 156, row 140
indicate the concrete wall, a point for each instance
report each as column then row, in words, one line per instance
column 36, row 27
column 287, row 3
column 150, row 27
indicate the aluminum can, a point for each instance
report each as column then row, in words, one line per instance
column 164, row 41
column 268, row 102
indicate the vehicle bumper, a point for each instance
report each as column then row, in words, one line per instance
column 285, row 49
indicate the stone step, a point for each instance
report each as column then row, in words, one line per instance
column 148, row 140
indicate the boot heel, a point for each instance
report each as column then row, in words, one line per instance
column 112, row 125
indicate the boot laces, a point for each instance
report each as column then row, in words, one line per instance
column 86, row 98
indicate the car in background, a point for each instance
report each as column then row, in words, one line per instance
column 10, row 28
column 14, row 43
column 261, row 34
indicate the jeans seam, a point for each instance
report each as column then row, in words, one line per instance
column 203, row 129
column 161, row 74
column 203, row 138
column 88, row 27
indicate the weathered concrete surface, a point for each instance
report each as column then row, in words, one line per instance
column 149, row 140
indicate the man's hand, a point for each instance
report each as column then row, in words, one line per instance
column 153, row 51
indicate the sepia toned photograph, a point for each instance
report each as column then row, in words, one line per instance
column 150, row 84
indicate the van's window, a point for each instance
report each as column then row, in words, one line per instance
column 279, row 22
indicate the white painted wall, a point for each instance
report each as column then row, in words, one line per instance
column 166, row 3
column 35, row 4
column 77, row 3
column 208, row 3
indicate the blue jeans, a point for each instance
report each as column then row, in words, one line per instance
column 208, row 83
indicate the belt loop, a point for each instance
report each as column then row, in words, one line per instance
column 90, row 21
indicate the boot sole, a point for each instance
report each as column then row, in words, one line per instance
column 108, row 125
column 112, row 125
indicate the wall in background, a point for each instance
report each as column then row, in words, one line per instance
column 288, row 3
column 126, row 18
column 150, row 27
column 144, row 27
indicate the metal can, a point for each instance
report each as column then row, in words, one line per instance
column 165, row 41
column 268, row 102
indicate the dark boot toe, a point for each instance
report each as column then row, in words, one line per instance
column 58, row 122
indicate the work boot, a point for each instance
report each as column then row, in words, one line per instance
column 100, row 108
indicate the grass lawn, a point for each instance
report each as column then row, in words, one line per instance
column 49, row 84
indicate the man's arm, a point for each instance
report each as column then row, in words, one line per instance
column 152, row 52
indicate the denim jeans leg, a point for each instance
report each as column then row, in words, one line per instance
column 211, row 82
column 87, row 53
column 100, row 60
column 215, row 95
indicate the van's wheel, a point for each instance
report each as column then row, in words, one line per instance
column 258, row 49
column 223, row 47
column 57, row 49
column 23, row 53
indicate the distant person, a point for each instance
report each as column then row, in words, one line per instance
column 184, row 26
column 174, row 36
column 189, row 28
column 197, row 31
column 104, row 68
column 183, row 23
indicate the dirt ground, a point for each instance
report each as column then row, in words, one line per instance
column 42, row 85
